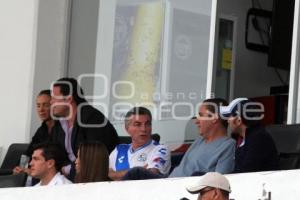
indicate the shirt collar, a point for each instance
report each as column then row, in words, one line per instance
column 131, row 150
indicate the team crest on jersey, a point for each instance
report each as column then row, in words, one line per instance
column 142, row 157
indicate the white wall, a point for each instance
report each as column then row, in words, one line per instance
column 51, row 48
column 18, row 25
column 83, row 37
column 33, row 50
column 283, row 185
column 252, row 75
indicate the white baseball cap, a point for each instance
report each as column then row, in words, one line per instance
column 232, row 107
column 210, row 179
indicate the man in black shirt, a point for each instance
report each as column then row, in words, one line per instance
column 77, row 121
column 43, row 133
column 257, row 151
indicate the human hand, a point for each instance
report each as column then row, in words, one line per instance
column 27, row 171
column 19, row 169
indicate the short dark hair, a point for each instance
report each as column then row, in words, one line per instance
column 53, row 151
column 137, row 111
column 213, row 105
column 45, row 92
column 77, row 92
column 225, row 193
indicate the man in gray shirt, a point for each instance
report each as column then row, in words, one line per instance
column 213, row 150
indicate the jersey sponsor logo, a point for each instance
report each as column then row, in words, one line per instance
column 163, row 151
column 142, row 157
column 121, row 159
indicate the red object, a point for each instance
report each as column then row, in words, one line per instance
column 275, row 108
column 182, row 149
column 269, row 105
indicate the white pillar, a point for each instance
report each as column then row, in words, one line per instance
column 18, row 27
column 33, row 53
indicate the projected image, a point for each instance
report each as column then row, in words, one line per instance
column 172, row 85
column 136, row 56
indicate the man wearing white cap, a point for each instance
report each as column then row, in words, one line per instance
column 211, row 186
column 257, row 151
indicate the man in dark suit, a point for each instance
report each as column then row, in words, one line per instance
column 77, row 121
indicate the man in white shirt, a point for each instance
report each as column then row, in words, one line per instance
column 47, row 160
column 143, row 151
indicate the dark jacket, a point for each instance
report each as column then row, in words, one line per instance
column 87, row 128
column 258, row 153
column 41, row 135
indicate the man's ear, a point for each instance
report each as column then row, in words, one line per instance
column 215, row 117
column 217, row 194
column 127, row 128
column 50, row 163
column 239, row 120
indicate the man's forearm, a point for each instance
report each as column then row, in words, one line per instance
column 116, row 175
column 154, row 170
